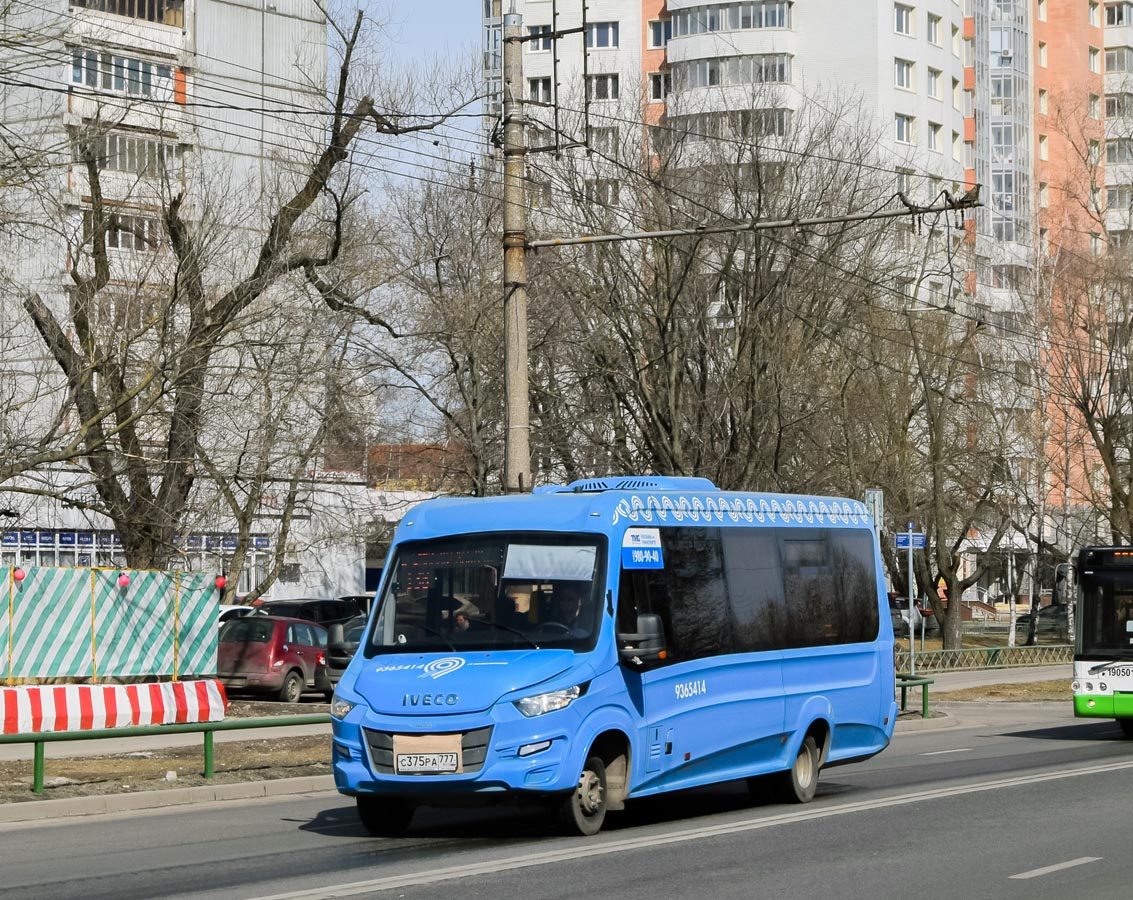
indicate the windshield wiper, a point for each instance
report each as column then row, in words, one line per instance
column 439, row 634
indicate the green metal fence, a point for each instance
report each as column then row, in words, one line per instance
column 985, row 658
column 39, row 739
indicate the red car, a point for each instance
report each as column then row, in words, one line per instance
column 273, row 655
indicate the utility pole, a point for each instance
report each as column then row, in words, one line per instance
column 517, row 453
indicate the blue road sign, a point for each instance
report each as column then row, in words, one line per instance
column 903, row 539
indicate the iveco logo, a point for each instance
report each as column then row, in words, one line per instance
column 429, row 700
column 439, row 667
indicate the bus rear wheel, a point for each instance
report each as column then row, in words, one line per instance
column 584, row 810
column 798, row 784
column 1126, row 727
column 384, row 816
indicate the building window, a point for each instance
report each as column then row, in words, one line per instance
column 1095, row 106
column 957, row 95
column 137, row 154
column 163, row 12
column 957, row 152
column 1119, row 150
column 1120, row 197
column 934, row 83
column 126, row 232
column 602, row 87
column 1118, row 13
column 1118, row 104
column 956, row 41
column 602, row 191
column 1044, row 194
column 539, row 90
column 969, row 154
column 1042, row 53
column 903, row 129
column 1095, row 13
column 934, row 136
column 602, row 36
column 934, row 29
column 903, row 19
column 540, row 38
column 660, row 31
column 1093, row 153
column 1096, row 244
column 538, row 193
column 731, row 17
column 1120, row 59
column 1042, row 10
column 660, row 86
column 763, row 68
column 903, row 74
column 1044, row 152
column 1095, row 60
column 1043, row 100
column 969, row 103
column 110, row 73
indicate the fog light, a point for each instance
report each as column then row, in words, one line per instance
column 342, row 751
column 532, row 749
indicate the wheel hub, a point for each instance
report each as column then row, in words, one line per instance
column 590, row 792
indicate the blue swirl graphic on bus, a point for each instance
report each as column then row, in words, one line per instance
column 439, row 667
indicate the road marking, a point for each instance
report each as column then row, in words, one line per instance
column 594, row 847
column 1058, row 867
column 942, row 752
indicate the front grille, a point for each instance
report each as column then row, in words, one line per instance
column 473, row 749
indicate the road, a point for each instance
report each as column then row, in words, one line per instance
column 1032, row 808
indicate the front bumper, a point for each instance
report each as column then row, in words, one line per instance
column 363, row 759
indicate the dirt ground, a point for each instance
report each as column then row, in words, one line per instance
column 263, row 760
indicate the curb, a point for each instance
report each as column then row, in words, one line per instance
column 38, row 810
column 938, row 721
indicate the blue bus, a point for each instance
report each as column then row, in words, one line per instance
column 611, row 639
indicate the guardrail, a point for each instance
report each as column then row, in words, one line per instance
column 40, row 738
column 985, row 658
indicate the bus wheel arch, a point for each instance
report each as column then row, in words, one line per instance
column 613, row 748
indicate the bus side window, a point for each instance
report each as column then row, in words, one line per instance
column 636, row 596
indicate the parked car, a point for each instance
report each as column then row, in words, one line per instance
column 342, row 642
column 1052, row 621
column 227, row 613
column 899, row 610
column 324, row 612
column 263, row 654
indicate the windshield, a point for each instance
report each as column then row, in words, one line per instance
column 491, row 592
column 1107, row 615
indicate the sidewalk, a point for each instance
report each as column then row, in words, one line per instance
column 955, row 714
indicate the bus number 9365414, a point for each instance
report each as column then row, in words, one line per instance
column 688, row 689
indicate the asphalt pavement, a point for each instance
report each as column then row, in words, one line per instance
column 942, row 715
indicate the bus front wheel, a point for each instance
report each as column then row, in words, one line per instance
column 584, row 810
column 798, row 784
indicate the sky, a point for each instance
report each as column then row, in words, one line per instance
column 431, row 27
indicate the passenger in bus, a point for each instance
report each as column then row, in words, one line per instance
column 460, row 621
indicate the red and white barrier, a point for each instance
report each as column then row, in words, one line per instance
column 82, row 707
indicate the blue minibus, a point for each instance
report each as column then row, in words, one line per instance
column 615, row 638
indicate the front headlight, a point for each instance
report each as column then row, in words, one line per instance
column 545, row 703
column 339, row 707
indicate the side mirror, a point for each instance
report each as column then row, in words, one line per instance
column 645, row 645
column 335, row 634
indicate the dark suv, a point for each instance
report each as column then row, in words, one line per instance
column 325, row 612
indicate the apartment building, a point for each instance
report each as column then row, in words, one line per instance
column 213, row 99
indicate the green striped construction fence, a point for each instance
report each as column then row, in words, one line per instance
column 79, row 623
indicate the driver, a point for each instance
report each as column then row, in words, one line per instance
column 566, row 606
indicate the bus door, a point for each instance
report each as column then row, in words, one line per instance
column 703, row 708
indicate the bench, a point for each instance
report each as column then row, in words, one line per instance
column 904, row 682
